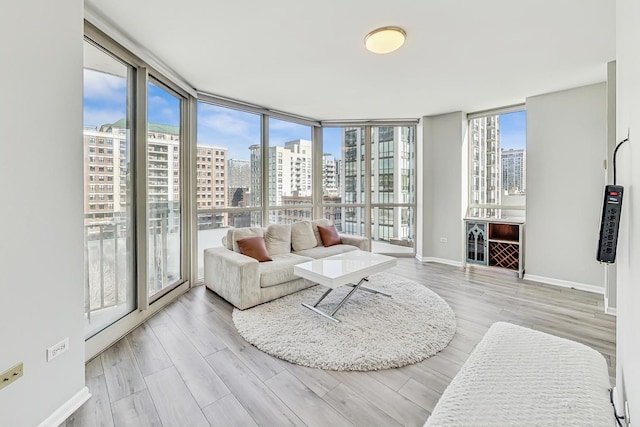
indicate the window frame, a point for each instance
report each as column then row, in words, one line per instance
column 366, row 202
column 486, row 208
column 145, row 306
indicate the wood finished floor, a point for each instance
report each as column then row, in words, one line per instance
column 187, row 366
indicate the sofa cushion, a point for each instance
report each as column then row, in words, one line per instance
column 314, row 225
column 302, row 236
column 322, row 252
column 329, row 235
column 228, row 242
column 280, row 269
column 278, row 239
column 242, row 233
column 255, row 248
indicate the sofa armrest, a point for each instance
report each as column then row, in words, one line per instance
column 233, row 276
column 361, row 242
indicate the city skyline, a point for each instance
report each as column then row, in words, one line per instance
column 235, row 130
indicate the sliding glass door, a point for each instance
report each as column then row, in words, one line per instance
column 134, row 188
column 108, row 189
column 164, row 111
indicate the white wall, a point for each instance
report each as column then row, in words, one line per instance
column 443, row 147
column 628, row 262
column 566, row 140
column 610, row 271
column 41, row 237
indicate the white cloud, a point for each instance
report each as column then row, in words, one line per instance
column 224, row 127
column 157, row 102
column 101, row 116
column 104, row 87
column 226, row 124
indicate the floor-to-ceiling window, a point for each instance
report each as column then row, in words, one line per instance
column 252, row 169
column 343, row 172
column 134, row 145
column 381, row 207
column 228, row 173
column 290, row 171
column 393, row 189
column 498, row 163
column 164, row 112
column 108, row 189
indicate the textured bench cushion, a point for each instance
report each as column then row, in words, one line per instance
column 519, row 377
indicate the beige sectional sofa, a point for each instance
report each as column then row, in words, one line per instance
column 245, row 282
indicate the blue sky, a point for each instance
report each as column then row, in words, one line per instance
column 237, row 130
column 105, row 101
column 513, row 130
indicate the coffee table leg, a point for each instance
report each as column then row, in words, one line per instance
column 373, row 291
column 346, row 298
column 323, row 297
column 317, row 310
column 320, row 312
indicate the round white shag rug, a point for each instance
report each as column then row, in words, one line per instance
column 375, row 332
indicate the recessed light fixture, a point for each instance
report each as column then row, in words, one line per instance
column 385, row 39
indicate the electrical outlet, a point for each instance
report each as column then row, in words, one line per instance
column 11, row 375
column 57, row 349
column 443, row 240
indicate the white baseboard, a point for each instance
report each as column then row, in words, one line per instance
column 608, row 309
column 440, row 261
column 565, row 284
column 69, row 407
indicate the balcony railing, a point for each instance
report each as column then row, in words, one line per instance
column 108, row 258
column 106, row 271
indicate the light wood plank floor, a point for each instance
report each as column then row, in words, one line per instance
column 187, row 366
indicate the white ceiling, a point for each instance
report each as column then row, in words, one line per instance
column 309, row 58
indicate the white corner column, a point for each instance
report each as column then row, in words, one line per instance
column 441, row 187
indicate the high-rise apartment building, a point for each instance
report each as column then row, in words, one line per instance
column 106, row 171
column 239, row 179
column 485, row 171
column 393, row 157
column 290, row 175
column 163, row 164
column 107, row 178
column 514, row 171
column 330, row 176
column 211, row 182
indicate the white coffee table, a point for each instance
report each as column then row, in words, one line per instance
column 343, row 270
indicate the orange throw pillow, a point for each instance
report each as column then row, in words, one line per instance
column 329, row 235
column 255, row 248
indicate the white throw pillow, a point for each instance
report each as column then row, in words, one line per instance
column 243, row 233
column 278, row 239
column 302, row 236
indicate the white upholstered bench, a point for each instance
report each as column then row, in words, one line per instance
column 519, row 377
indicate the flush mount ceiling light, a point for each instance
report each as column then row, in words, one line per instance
column 385, row 39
